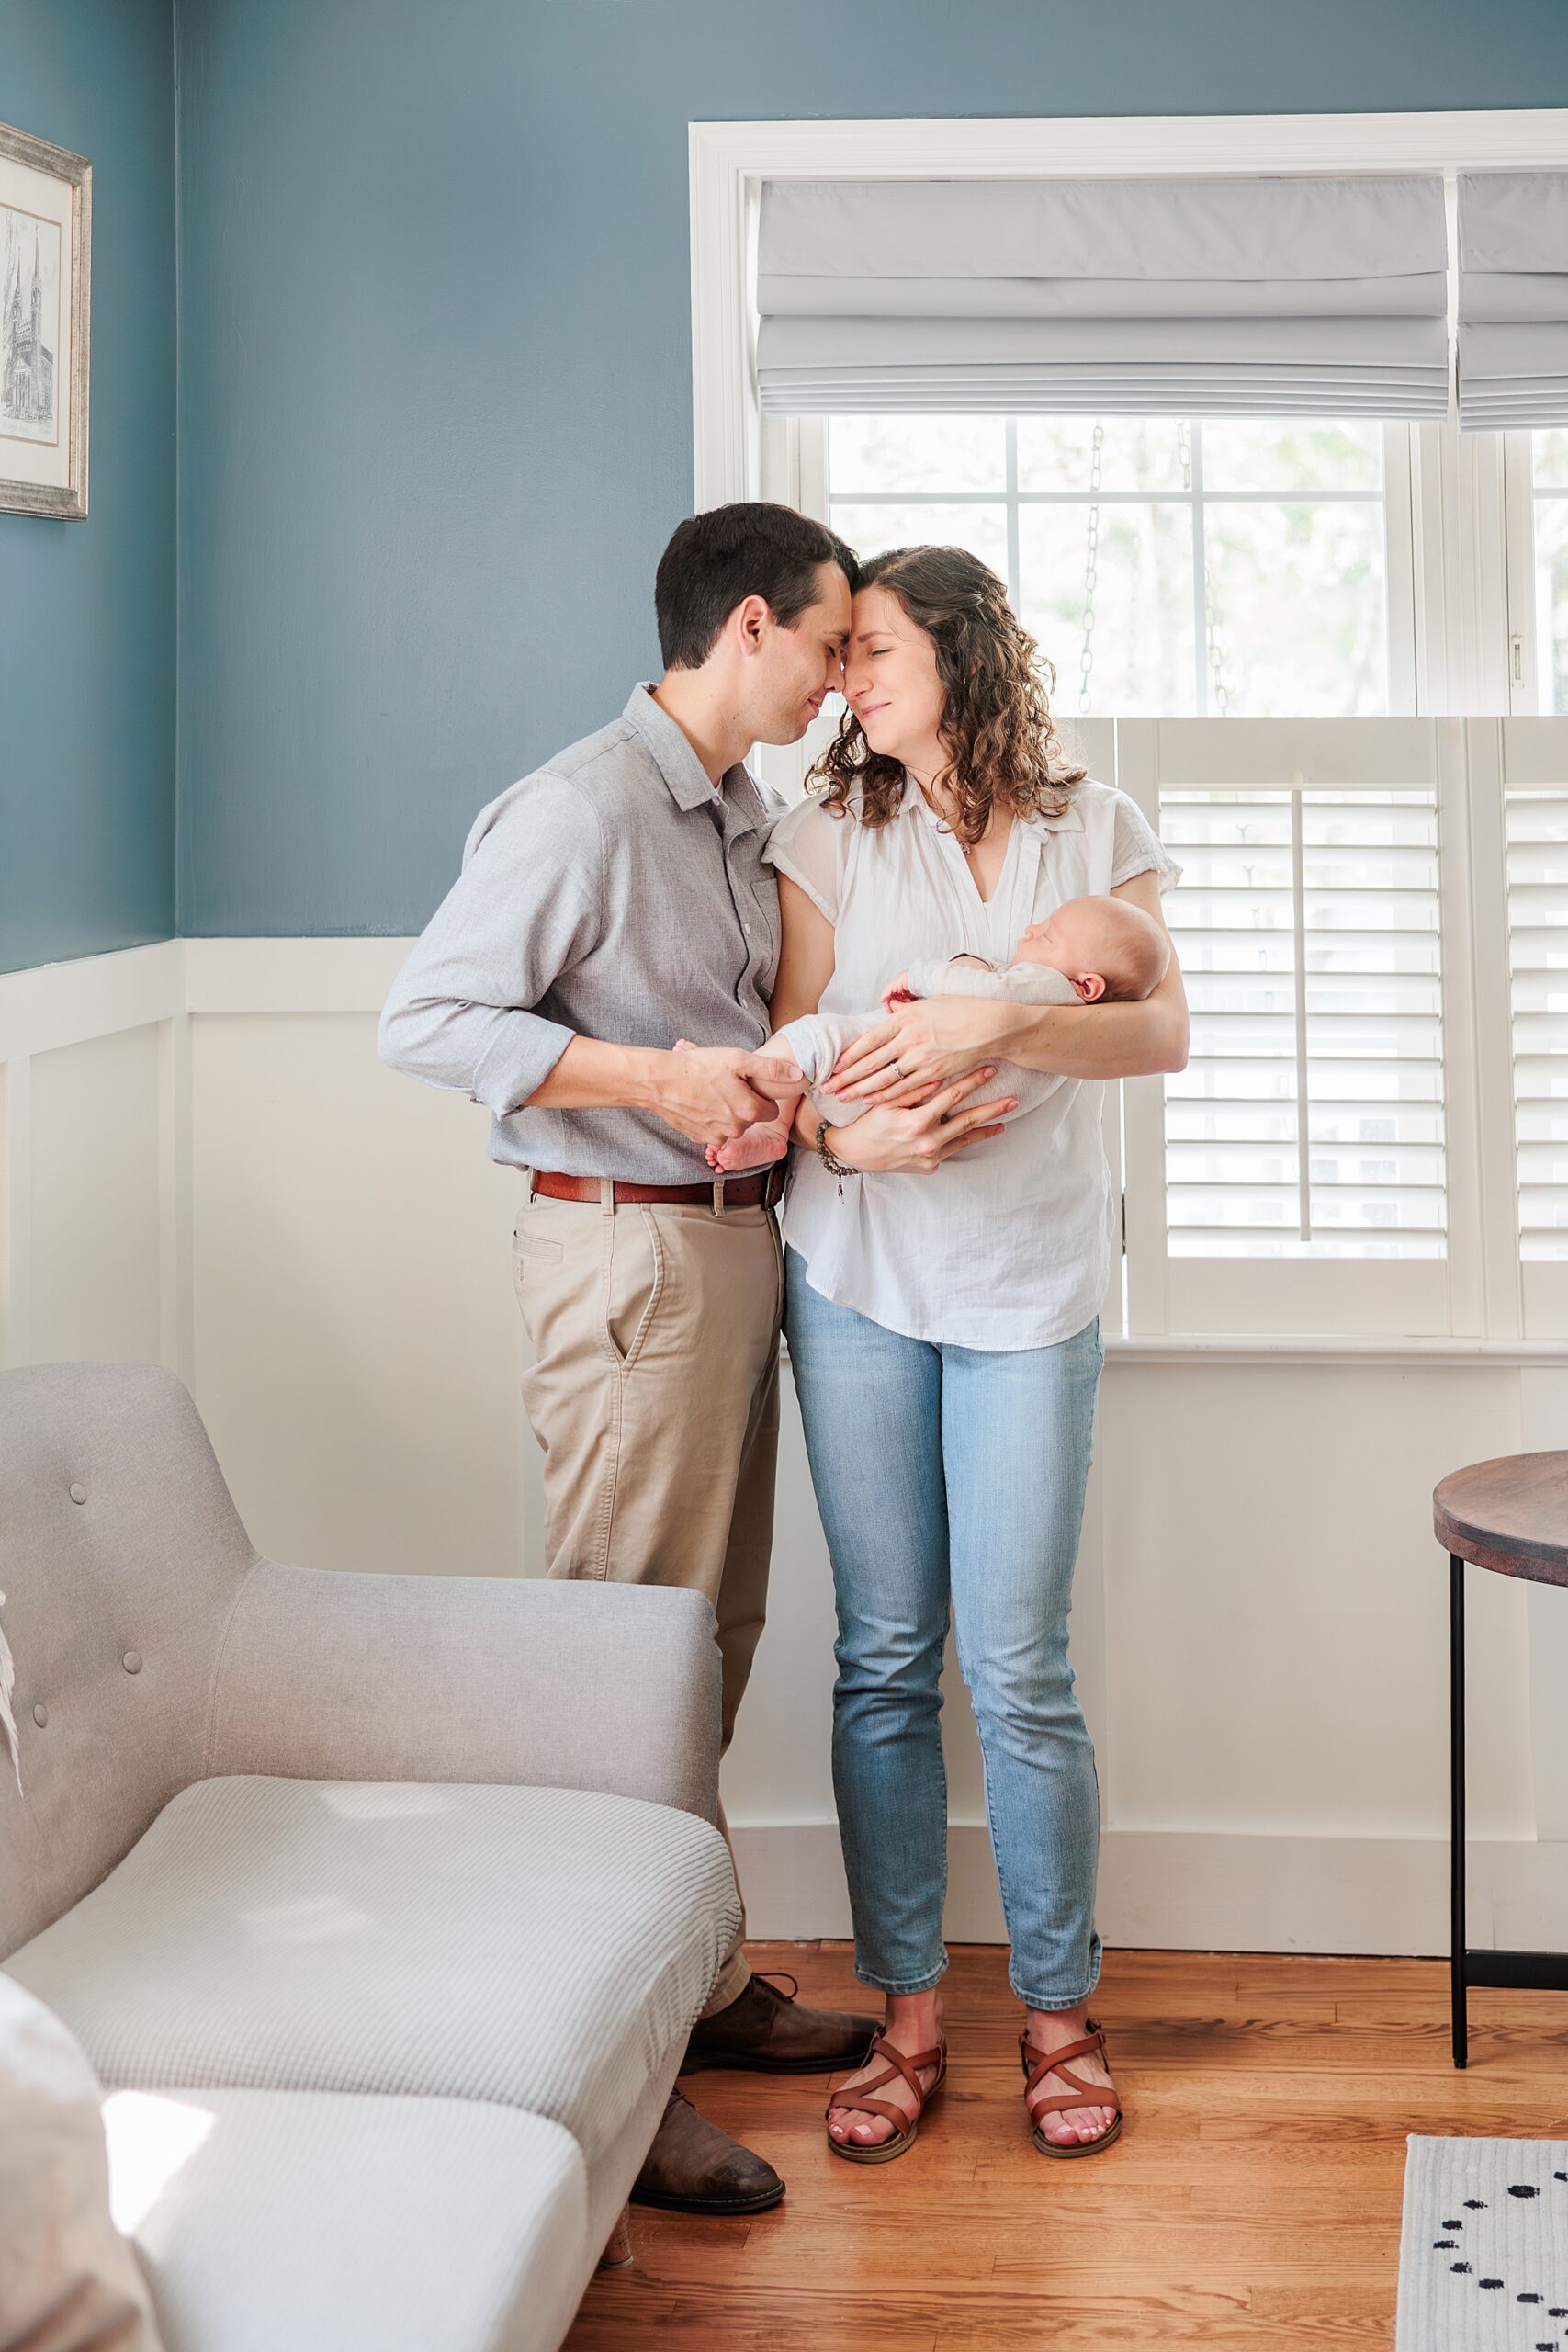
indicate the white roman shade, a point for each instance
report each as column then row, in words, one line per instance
column 1513, row 299
column 1149, row 297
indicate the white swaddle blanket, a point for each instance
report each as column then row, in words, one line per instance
column 816, row 1039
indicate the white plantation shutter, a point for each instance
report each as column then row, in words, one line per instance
column 1294, row 1178
column 1537, row 828
column 1309, row 1119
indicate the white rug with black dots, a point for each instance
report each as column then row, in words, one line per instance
column 1483, row 2252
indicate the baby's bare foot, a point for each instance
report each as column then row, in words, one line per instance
column 757, row 1148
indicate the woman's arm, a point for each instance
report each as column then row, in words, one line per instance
column 931, row 1041
column 884, row 1140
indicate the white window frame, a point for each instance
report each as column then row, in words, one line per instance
column 1473, row 590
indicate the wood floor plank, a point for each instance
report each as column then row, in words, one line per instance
column 1251, row 2205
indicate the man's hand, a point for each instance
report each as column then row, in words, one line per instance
column 712, row 1094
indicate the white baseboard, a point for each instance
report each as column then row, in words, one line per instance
column 1202, row 1891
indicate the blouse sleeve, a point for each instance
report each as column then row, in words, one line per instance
column 809, row 843
column 1137, row 849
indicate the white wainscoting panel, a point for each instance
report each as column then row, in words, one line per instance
column 357, row 1345
column 203, row 1159
column 95, row 1197
column 1276, row 1609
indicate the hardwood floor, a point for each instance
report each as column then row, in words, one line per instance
column 1253, row 2199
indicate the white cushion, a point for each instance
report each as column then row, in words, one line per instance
column 68, row 2280
column 542, row 1948
column 332, row 2223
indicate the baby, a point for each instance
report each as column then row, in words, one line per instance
column 1090, row 951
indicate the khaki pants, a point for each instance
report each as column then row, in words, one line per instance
column 655, row 1395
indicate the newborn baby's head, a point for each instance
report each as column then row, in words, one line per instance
column 1110, row 950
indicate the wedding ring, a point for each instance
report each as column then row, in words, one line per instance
column 896, row 1071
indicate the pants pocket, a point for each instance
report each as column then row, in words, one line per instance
column 537, row 1246
column 632, row 1283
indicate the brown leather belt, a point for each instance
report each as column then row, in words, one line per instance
column 759, row 1190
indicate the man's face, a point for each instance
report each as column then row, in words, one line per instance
column 796, row 668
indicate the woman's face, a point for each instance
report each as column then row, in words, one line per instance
column 890, row 678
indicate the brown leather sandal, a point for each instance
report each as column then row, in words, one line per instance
column 907, row 2128
column 1038, row 2063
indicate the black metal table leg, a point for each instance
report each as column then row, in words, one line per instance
column 1456, row 1831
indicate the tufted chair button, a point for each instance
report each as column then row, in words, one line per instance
column 40, row 1714
column 131, row 1661
column 78, row 1494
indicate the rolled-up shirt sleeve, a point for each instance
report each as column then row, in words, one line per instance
column 529, row 903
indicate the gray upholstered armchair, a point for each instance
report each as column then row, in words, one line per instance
column 407, row 1885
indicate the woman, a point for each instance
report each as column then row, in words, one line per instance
column 945, row 1335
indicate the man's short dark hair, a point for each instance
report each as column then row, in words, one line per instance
column 716, row 560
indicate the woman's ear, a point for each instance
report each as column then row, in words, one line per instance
column 1090, row 987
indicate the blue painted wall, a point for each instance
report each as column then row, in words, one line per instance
column 87, row 609
column 434, row 396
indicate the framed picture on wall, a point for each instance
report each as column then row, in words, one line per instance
column 45, row 214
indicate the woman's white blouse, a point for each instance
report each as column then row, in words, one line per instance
column 1006, row 1246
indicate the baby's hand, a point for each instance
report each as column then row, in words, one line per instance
column 898, row 991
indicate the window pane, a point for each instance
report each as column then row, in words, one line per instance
column 924, row 453
column 1297, row 605
column 1551, row 459
column 1136, row 453
column 1291, row 454
column 1142, row 619
column 980, row 528
column 1551, row 598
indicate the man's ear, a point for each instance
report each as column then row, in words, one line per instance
column 749, row 620
column 1090, row 987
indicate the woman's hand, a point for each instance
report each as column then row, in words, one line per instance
column 927, row 1043
column 886, row 1142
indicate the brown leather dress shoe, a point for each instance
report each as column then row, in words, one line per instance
column 694, row 2167
column 768, row 2031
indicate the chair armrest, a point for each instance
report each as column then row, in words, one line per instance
column 339, row 1676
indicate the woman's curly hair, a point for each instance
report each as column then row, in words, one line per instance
column 997, row 727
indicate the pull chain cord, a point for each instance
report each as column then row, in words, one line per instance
column 1214, row 648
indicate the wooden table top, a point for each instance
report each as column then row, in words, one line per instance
column 1510, row 1515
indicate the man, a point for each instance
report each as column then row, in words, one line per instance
column 611, row 904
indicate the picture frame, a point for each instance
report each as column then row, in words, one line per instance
column 46, row 216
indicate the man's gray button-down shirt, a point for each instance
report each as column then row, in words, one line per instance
column 612, row 894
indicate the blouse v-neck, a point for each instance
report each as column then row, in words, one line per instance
column 943, row 829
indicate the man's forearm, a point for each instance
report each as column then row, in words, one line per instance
column 592, row 1075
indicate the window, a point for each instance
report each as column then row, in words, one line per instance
column 1165, row 566
column 1270, row 607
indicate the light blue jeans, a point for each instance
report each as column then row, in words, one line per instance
column 954, row 1474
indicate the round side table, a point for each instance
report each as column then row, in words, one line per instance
column 1510, row 1516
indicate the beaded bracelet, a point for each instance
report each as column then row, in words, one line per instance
column 835, row 1166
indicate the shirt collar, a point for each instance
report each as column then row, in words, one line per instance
column 683, row 772
column 1069, row 820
